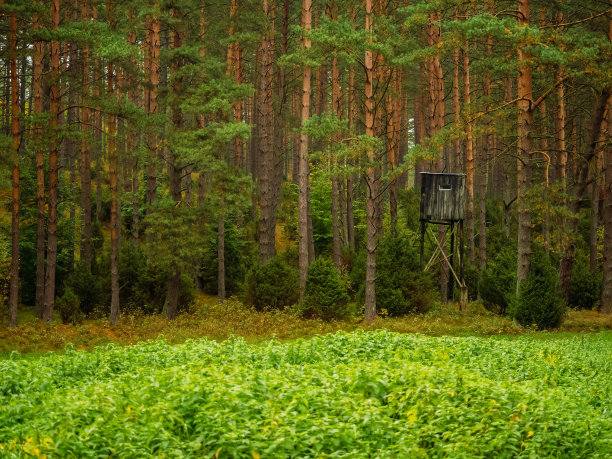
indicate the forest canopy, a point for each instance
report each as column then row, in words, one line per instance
column 272, row 149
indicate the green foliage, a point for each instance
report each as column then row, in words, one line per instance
column 497, row 282
column 272, row 285
column 237, row 261
column 361, row 394
column 326, row 294
column 287, row 210
column 410, row 201
column 86, row 286
column 539, row 303
column 69, row 307
column 5, row 277
column 142, row 286
column 471, row 276
column 585, row 286
column 401, row 285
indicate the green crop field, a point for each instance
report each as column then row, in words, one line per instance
column 363, row 394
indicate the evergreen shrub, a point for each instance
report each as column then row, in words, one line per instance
column 86, row 286
column 401, row 285
column 471, row 275
column 539, row 303
column 272, row 285
column 237, row 261
column 585, row 287
column 69, row 307
column 326, row 294
column 497, row 282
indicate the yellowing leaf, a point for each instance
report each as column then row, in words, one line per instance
column 255, row 455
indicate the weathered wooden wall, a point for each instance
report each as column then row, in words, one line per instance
column 442, row 197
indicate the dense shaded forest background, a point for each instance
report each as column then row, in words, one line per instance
column 272, row 149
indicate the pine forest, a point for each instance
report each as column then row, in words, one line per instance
column 216, row 171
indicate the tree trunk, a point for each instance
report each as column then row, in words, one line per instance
column 456, row 106
column 606, row 293
column 371, row 188
column 86, row 248
column 303, row 171
column 268, row 157
column 53, row 169
column 337, row 107
column 392, row 143
column 525, row 122
column 114, row 220
column 151, row 105
column 350, row 216
column 597, row 168
column 469, row 162
column 14, row 283
column 221, row 258
column 174, row 285
column 37, row 89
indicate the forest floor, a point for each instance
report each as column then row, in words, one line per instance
column 220, row 321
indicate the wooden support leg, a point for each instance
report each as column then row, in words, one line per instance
column 463, row 300
column 451, row 283
column 422, row 241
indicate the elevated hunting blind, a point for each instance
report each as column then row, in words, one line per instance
column 442, row 197
column 443, row 204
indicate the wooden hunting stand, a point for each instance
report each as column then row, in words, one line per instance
column 443, row 203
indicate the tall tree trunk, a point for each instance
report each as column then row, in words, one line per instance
column 151, row 105
column 86, row 249
column 99, row 145
column 469, row 161
column 303, row 171
column 221, row 257
column 337, row 108
column 133, row 142
column 14, row 283
column 392, row 143
column 525, row 122
column 350, row 216
column 37, row 89
column 606, row 293
column 53, row 169
column 597, row 168
column 581, row 172
column 174, row 165
column 268, row 157
column 487, row 153
column 456, row 106
column 371, row 183
column 112, row 175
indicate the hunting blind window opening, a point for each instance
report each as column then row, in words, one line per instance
column 446, row 187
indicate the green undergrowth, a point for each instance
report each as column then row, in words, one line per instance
column 220, row 321
column 359, row 394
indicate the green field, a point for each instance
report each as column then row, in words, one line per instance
column 361, row 394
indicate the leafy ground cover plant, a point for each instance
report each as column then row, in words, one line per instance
column 360, row 394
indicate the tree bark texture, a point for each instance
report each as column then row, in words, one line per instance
column 371, row 183
column 525, row 123
column 303, row 167
column 53, row 169
column 15, row 134
column 38, row 105
column 606, row 294
column 114, row 217
column 269, row 159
